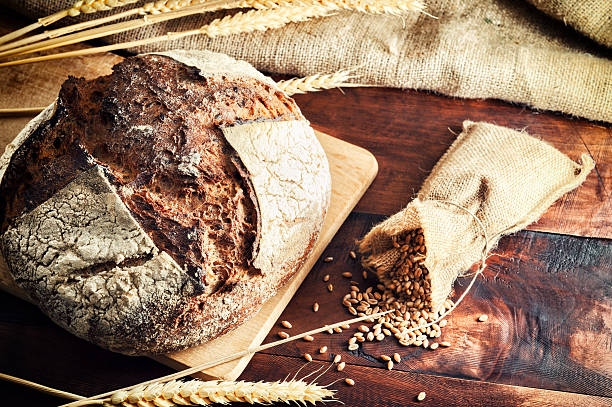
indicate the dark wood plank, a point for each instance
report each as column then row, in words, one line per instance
column 408, row 131
column 34, row 348
column 378, row 387
column 548, row 298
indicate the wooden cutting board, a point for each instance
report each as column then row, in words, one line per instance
column 352, row 170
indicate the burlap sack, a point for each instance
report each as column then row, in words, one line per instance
column 506, row 178
column 591, row 17
column 503, row 49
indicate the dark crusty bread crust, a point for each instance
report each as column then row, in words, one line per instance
column 141, row 135
column 152, row 129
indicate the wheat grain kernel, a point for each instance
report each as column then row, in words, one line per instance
column 283, row 334
column 328, row 259
column 353, row 340
column 390, row 365
column 363, row 328
column 397, row 357
column 345, row 326
column 483, row 318
column 323, row 349
column 337, row 358
column 315, row 306
column 445, row 344
column 347, row 274
column 308, row 338
column 370, row 336
column 443, row 323
column 364, row 274
column 330, row 288
column 308, row 357
column 287, row 324
column 385, row 358
column 380, row 337
column 326, row 278
column 350, row 382
column 352, row 254
column 421, row 396
column 434, row 346
column 353, row 347
column 338, row 330
column 341, row 366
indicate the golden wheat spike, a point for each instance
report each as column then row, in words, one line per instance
column 318, row 82
column 153, row 8
column 81, row 6
column 253, row 20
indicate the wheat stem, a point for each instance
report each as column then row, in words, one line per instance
column 80, row 6
column 313, row 83
column 59, row 37
column 254, row 20
column 21, row 111
column 67, row 30
column 156, row 7
column 40, row 387
column 116, row 28
column 237, row 355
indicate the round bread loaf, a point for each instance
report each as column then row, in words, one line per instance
column 158, row 207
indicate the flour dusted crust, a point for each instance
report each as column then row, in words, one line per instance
column 287, row 167
column 88, row 253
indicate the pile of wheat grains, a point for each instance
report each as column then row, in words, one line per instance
column 404, row 288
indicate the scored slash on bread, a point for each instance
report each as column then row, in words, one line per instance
column 160, row 206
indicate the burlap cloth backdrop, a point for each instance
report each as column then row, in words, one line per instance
column 504, row 49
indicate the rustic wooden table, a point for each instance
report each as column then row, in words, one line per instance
column 547, row 290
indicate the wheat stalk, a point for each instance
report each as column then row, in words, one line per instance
column 228, row 358
column 81, row 6
column 118, row 27
column 313, row 83
column 197, row 392
column 241, row 22
column 152, row 8
column 393, row 7
column 60, row 37
column 318, row 82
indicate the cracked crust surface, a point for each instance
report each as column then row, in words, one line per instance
column 160, row 206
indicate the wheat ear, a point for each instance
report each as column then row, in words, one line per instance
column 228, row 358
column 116, row 28
column 152, row 8
column 196, row 392
column 313, row 83
column 81, row 6
column 241, row 22
column 318, row 82
column 394, row 7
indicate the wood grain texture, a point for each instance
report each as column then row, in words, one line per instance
column 408, row 132
column 397, row 388
column 548, row 298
